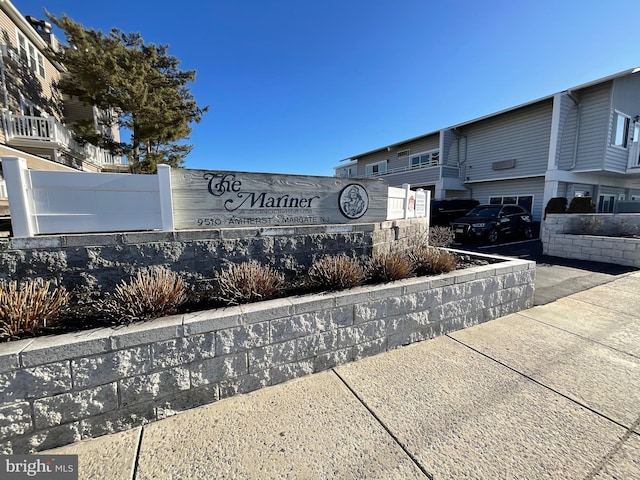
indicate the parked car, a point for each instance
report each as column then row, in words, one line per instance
column 491, row 222
column 443, row 212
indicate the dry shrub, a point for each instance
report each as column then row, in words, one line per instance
column 625, row 228
column 441, row 236
column 590, row 225
column 335, row 272
column 247, row 282
column 432, row 261
column 389, row 266
column 581, row 205
column 29, row 307
column 556, row 205
column 150, row 294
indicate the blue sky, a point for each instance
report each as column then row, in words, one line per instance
column 294, row 86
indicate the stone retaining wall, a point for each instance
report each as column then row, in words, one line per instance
column 58, row 390
column 562, row 237
column 100, row 261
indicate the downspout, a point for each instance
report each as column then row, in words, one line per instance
column 459, row 134
column 574, row 160
column 5, row 101
column 5, row 96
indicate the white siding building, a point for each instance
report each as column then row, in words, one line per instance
column 585, row 140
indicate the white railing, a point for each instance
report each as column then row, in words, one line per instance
column 3, row 189
column 391, row 171
column 25, row 127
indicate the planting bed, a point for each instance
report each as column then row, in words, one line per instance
column 60, row 389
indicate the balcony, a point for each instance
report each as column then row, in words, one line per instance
column 28, row 131
column 423, row 174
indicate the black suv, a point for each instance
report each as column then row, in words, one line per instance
column 443, row 212
column 490, row 222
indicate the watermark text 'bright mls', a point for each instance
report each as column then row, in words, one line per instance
column 50, row 467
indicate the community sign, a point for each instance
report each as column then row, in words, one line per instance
column 224, row 199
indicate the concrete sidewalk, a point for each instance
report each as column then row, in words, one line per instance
column 551, row 392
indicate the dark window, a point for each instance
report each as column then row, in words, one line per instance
column 512, row 210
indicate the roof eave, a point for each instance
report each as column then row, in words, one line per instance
column 33, row 36
column 624, row 73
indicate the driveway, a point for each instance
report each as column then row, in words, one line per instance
column 555, row 277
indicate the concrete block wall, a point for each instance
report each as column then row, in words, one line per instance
column 61, row 389
column 93, row 261
column 561, row 238
column 605, row 224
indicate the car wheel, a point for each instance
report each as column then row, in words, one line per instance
column 527, row 232
column 492, row 235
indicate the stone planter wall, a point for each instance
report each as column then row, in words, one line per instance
column 561, row 237
column 58, row 390
column 93, row 261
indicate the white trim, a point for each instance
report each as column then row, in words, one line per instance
column 166, row 200
column 39, row 68
column 18, row 182
column 500, row 179
column 533, row 199
column 555, row 131
column 614, row 130
column 21, row 22
column 634, row 149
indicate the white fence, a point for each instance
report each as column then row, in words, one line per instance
column 406, row 203
column 46, row 202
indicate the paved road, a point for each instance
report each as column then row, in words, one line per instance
column 555, row 277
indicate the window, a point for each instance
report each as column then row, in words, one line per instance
column 427, row 159
column 606, row 203
column 30, row 109
column 525, row 201
column 620, row 129
column 376, row 169
column 30, row 55
column 512, row 210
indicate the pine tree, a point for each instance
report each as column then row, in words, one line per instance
column 140, row 84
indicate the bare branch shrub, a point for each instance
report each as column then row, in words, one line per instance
column 335, row 272
column 626, row 228
column 150, row 294
column 29, row 307
column 590, row 225
column 429, row 260
column 385, row 267
column 247, row 282
column 441, row 236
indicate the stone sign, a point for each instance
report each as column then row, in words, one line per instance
column 224, row 199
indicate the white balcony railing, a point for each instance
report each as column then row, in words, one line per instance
column 443, row 170
column 39, row 129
